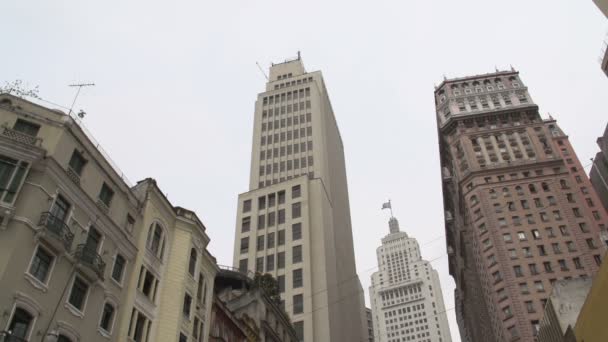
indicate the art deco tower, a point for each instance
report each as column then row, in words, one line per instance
column 520, row 212
column 406, row 297
column 294, row 222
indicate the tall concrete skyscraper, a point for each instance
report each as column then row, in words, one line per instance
column 406, row 298
column 294, row 222
column 520, row 212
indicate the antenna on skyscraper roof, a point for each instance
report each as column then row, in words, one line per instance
column 261, row 70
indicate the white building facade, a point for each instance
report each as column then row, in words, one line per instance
column 406, row 298
column 294, row 222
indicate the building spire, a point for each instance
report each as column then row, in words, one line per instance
column 393, row 225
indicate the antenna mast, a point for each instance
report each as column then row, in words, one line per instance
column 261, row 70
column 79, row 85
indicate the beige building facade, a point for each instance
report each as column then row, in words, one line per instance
column 84, row 256
column 520, row 212
column 294, row 222
column 67, row 238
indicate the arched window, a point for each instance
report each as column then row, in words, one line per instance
column 63, row 338
column 192, row 265
column 21, row 324
column 107, row 317
column 156, row 240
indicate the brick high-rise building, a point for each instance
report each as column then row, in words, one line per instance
column 520, row 212
column 294, row 222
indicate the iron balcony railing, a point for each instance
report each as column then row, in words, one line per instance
column 21, row 137
column 89, row 257
column 7, row 336
column 58, row 228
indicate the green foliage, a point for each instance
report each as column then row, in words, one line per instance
column 17, row 88
column 269, row 285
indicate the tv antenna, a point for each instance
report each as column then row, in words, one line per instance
column 81, row 113
column 261, row 70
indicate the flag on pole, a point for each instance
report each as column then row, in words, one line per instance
column 386, row 205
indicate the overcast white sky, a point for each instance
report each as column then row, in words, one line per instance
column 177, row 80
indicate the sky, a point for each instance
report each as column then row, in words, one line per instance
column 175, row 85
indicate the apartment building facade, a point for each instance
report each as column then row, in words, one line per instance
column 599, row 170
column 520, row 212
column 294, row 222
column 405, row 293
column 84, row 256
column 67, row 238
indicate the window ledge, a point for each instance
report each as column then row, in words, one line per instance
column 116, row 282
column 35, row 282
column 73, row 310
column 104, row 333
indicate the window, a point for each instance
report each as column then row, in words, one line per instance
column 106, row 194
column 244, row 245
column 77, row 163
column 41, row 265
column 281, row 216
column 119, row 267
column 297, row 278
column 78, row 293
column 521, row 236
column 591, row 243
column 270, row 240
column 523, row 288
column 527, row 252
column 147, row 283
column 507, row 311
column 562, row 265
column 298, row 304
column 533, row 269
column 270, row 263
column 12, row 173
column 296, row 231
column 271, row 199
column 507, row 237
column 247, row 206
column 243, row 265
column 192, row 262
column 295, row 191
column 299, row 328
column 281, row 237
column 530, row 306
column 246, row 224
column 536, row 234
column 597, row 259
column 271, row 219
column 281, row 196
column 201, row 284
column 524, row 204
column 26, row 127
column 535, row 324
column 107, row 317
column 182, row 337
column 260, row 243
column 156, row 242
column 296, row 254
column 138, row 326
column 187, row 305
column 261, row 221
column 539, row 286
column 577, row 263
column 261, row 203
column 518, row 271
column 281, row 260
column 20, row 325
column 296, row 210
column 281, row 283
column 548, row 267
column 259, row 264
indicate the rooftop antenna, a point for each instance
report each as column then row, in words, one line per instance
column 261, row 70
column 81, row 114
column 299, row 57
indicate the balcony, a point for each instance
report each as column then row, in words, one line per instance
column 73, row 175
column 56, row 231
column 7, row 336
column 21, row 137
column 102, row 206
column 94, row 266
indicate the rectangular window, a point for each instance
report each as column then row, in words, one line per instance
column 246, row 224
column 281, row 237
column 271, row 199
column 297, row 278
column 77, row 163
column 260, row 243
column 296, row 210
column 244, row 245
column 106, row 194
column 26, row 127
column 12, row 173
column 299, row 328
column 298, row 304
column 281, row 196
column 246, row 206
column 261, row 202
column 295, row 191
column 271, row 219
column 296, row 254
column 119, row 267
column 261, row 221
column 187, row 305
column 259, row 264
column 281, row 260
column 78, row 293
column 243, row 265
column 281, row 283
column 281, row 216
column 270, row 263
column 296, row 231
column 41, row 264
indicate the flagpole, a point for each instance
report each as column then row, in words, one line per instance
column 390, row 206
